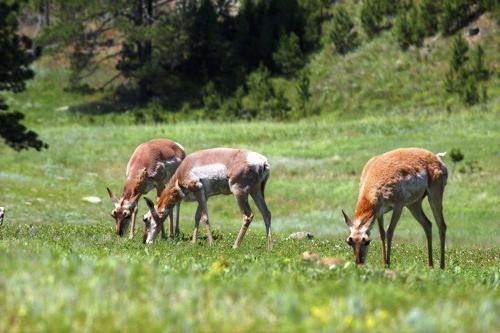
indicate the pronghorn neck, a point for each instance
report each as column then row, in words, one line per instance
column 134, row 186
column 365, row 212
column 130, row 191
column 169, row 197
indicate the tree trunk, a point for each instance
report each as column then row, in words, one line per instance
column 46, row 12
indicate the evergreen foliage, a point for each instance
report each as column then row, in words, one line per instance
column 303, row 88
column 429, row 14
column 454, row 14
column 464, row 74
column 288, row 57
column 263, row 99
column 342, row 32
column 15, row 58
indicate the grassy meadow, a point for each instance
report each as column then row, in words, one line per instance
column 62, row 268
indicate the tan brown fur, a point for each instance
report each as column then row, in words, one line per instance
column 212, row 172
column 382, row 174
column 391, row 181
column 150, row 166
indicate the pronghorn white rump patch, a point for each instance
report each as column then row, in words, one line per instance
column 210, row 171
column 254, row 158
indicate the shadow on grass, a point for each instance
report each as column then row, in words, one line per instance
column 125, row 99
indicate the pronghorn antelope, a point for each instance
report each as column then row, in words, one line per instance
column 151, row 165
column 391, row 181
column 211, row 172
column 2, row 214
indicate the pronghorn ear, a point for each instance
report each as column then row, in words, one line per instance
column 152, row 209
column 136, row 197
column 150, row 204
column 347, row 219
column 112, row 196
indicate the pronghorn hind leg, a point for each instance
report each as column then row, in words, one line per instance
column 435, row 197
column 418, row 214
column 242, row 200
column 381, row 230
column 258, row 198
column 396, row 214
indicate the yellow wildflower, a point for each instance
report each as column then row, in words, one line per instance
column 322, row 313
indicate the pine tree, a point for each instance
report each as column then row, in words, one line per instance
column 371, row 17
column 459, row 53
column 303, row 90
column 456, row 76
column 454, row 14
column 416, row 26
column 403, row 30
column 288, row 56
column 15, row 59
column 429, row 11
column 464, row 74
column 478, row 68
column 342, row 32
column 470, row 94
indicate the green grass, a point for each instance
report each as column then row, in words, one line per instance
column 61, row 267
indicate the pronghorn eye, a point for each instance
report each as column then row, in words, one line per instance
column 349, row 241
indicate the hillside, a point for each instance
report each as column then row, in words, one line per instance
column 376, row 78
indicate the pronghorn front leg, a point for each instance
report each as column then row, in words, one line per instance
column 202, row 205
column 396, row 214
column 159, row 189
column 132, row 227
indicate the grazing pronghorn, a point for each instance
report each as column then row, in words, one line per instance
column 211, row 172
column 391, row 181
column 151, row 165
column 2, row 213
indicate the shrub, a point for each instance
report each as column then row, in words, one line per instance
column 211, row 100
column 410, row 29
column 371, row 17
column 403, row 31
column 429, row 12
column 288, row 57
column 303, row 90
column 342, row 32
column 465, row 80
column 478, row 68
column 454, row 15
column 263, row 100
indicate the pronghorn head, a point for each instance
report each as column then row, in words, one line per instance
column 122, row 213
column 359, row 239
column 2, row 214
column 153, row 221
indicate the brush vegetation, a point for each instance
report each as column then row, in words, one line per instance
column 62, row 268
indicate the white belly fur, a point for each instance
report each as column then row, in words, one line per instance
column 213, row 177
